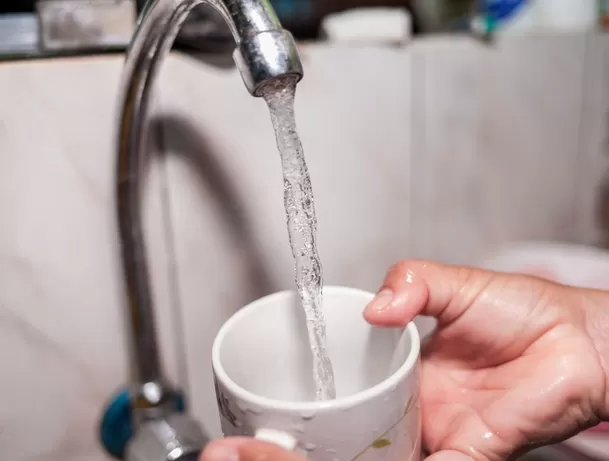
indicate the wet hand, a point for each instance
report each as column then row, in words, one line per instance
column 516, row 361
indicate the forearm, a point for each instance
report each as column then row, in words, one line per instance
column 597, row 323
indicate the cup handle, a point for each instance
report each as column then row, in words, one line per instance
column 282, row 439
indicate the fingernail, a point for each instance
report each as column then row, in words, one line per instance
column 381, row 301
column 221, row 452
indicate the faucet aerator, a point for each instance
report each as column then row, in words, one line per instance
column 267, row 56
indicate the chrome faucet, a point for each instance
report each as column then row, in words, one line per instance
column 157, row 428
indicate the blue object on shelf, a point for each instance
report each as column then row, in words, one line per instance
column 116, row 428
column 496, row 12
column 500, row 10
column 293, row 10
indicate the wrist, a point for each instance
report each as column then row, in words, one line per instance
column 596, row 311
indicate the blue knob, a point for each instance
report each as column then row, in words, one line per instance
column 116, row 427
column 500, row 10
column 292, row 10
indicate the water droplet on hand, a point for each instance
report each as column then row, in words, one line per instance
column 310, row 447
column 299, row 428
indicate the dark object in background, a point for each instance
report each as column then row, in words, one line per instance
column 45, row 29
column 303, row 17
column 25, row 34
column 603, row 14
column 205, row 31
column 319, row 9
column 17, row 6
column 409, row 5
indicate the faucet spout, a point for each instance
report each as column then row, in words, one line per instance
column 264, row 51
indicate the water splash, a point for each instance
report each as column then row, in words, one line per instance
column 302, row 226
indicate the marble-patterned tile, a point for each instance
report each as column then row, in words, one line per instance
column 529, row 138
column 447, row 112
column 593, row 156
column 496, row 145
column 63, row 348
column 226, row 187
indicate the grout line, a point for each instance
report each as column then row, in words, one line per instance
column 409, row 162
column 580, row 158
column 486, row 68
column 418, row 234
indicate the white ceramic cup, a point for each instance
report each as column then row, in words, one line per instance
column 263, row 372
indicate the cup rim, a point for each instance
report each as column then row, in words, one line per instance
column 336, row 404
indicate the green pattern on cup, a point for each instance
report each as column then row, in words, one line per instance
column 382, row 441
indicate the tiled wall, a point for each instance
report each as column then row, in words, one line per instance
column 487, row 145
column 593, row 153
column 508, row 143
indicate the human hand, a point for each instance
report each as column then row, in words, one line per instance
column 516, row 361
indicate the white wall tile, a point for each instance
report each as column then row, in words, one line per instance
column 529, row 139
column 496, row 143
column 593, row 155
column 447, row 84
column 62, row 340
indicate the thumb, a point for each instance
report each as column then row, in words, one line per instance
column 414, row 288
column 246, row 449
column 449, row 455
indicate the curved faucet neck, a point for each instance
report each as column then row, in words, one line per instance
column 264, row 51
